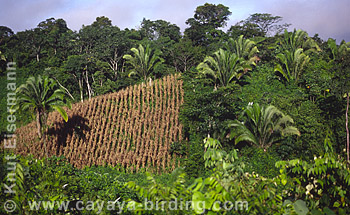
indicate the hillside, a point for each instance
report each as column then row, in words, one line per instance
column 132, row 128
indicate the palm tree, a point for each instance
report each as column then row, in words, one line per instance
column 244, row 48
column 41, row 95
column 263, row 126
column 295, row 49
column 298, row 39
column 143, row 62
column 292, row 64
column 223, row 67
column 338, row 51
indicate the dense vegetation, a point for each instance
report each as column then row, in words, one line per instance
column 264, row 116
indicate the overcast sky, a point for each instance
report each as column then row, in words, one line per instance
column 328, row 18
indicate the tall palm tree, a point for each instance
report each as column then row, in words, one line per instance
column 294, row 57
column 292, row 64
column 223, row 67
column 41, row 95
column 143, row 62
column 263, row 126
column 244, row 48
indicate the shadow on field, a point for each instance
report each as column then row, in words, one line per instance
column 76, row 125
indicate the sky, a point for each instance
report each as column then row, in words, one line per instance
column 328, row 18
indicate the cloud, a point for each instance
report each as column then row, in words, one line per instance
column 327, row 18
column 26, row 14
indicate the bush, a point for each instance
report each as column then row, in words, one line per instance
column 260, row 162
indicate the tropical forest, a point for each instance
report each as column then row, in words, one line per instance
column 250, row 118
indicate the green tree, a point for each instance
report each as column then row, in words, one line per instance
column 338, row 51
column 184, row 55
column 341, row 86
column 298, row 39
column 41, row 95
column 258, row 25
column 224, row 68
column 53, row 30
column 154, row 30
column 33, row 41
column 245, row 49
column 267, row 23
column 263, row 126
column 248, row 30
column 292, row 64
column 204, row 25
column 143, row 62
column 75, row 65
column 340, row 55
column 294, row 55
column 91, row 36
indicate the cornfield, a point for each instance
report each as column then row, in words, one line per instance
column 133, row 128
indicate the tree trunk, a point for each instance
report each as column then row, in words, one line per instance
column 63, row 88
column 38, row 124
column 43, row 126
column 346, row 125
column 81, row 89
column 38, row 53
column 113, row 63
column 88, row 84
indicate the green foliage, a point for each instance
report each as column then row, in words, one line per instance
column 228, row 66
column 323, row 182
column 163, row 194
column 246, row 49
column 297, row 39
column 293, row 64
column 248, row 193
column 179, row 148
column 154, row 30
column 262, row 126
column 184, row 55
column 42, row 95
column 317, row 79
column 194, row 164
column 224, row 68
column 143, row 61
column 204, row 25
column 205, row 111
column 294, row 55
column 338, row 51
column 308, row 120
column 214, row 156
column 260, row 162
column 264, row 88
column 54, row 179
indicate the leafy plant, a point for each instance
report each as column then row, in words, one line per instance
column 263, row 126
column 323, row 182
column 143, row 62
column 224, row 68
column 41, row 95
